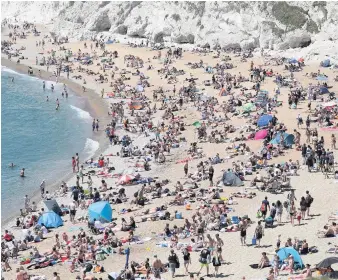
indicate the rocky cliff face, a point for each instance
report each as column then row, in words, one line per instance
column 273, row 25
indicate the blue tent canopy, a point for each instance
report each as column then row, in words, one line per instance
column 264, row 120
column 325, row 63
column 322, row 78
column 50, row 220
column 293, row 60
column 230, row 179
column 289, row 139
column 324, row 90
column 110, row 42
column 285, row 252
column 100, row 211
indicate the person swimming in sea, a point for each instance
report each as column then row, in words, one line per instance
column 22, row 172
column 47, row 98
column 43, row 85
column 52, row 87
column 12, row 79
column 57, row 104
column 11, row 165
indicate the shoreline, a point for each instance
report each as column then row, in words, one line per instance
column 93, row 105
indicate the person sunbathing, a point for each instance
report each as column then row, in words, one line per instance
column 264, row 262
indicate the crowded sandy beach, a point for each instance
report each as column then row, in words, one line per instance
column 219, row 163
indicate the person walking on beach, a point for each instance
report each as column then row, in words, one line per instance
column 97, row 125
column 93, row 125
column 77, row 160
column 211, row 175
column 264, row 207
column 26, row 202
column 173, row 262
column 187, row 260
column 259, row 232
column 309, row 200
column 42, row 188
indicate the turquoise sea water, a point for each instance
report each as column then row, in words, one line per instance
column 37, row 137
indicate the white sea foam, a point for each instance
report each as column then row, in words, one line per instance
column 91, row 147
column 81, row 113
column 8, row 70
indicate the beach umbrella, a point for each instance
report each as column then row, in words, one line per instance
column 100, row 211
column 124, row 179
column 197, row 124
column 321, row 78
column 261, row 134
column 327, row 262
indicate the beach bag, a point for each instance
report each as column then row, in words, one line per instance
column 259, row 214
column 263, row 207
column 177, row 265
column 203, row 260
column 254, row 240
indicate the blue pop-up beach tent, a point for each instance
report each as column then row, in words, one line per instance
column 100, row 211
column 285, row 252
column 324, row 90
column 230, row 179
column 264, row 120
column 289, row 139
column 325, row 63
column 50, row 220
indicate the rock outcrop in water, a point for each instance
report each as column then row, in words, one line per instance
column 273, row 25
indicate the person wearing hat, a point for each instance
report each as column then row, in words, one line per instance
column 173, row 262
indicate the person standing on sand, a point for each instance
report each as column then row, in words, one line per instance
column 93, row 125
column 72, row 211
column 42, row 188
column 211, row 175
column 74, row 164
column 333, row 142
column 77, row 159
column 186, row 167
column 242, row 228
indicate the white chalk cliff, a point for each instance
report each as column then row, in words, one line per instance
column 269, row 25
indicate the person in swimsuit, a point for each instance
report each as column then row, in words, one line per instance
column 22, row 172
column 219, row 245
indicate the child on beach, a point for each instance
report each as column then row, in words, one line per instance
column 299, row 216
